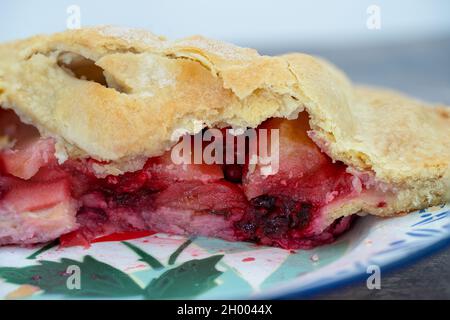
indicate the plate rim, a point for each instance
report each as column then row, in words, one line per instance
column 309, row 291
column 390, row 266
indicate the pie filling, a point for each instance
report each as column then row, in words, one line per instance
column 41, row 200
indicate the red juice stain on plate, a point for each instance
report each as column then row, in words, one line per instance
column 74, row 239
column 249, row 259
column 77, row 238
column 121, row 236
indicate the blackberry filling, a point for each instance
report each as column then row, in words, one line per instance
column 233, row 201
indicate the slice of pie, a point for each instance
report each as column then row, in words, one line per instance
column 91, row 120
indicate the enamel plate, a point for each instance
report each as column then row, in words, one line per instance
column 159, row 266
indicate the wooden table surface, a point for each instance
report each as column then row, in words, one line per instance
column 421, row 69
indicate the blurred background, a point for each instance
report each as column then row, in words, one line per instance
column 394, row 43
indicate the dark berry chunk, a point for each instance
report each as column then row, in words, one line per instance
column 249, row 227
column 276, row 226
column 264, row 201
column 302, row 216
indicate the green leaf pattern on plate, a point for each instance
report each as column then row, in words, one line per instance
column 101, row 280
column 170, row 267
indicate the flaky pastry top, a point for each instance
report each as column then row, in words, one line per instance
column 140, row 92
